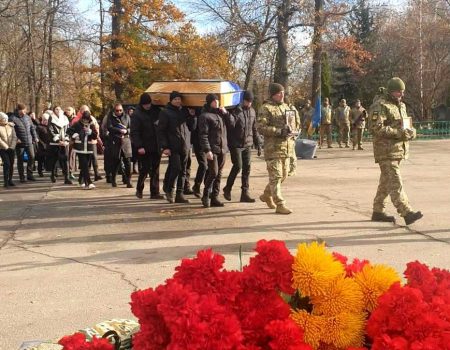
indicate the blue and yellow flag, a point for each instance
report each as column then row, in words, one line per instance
column 316, row 117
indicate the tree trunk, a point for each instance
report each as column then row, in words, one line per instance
column 102, row 53
column 251, row 65
column 317, row 50
column 281, row 71
column 115, row 45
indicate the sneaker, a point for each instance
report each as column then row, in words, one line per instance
column 72, row 177
column 412, row 217
column 82, row 185
column 68, row 182
column 98, row 178
column 91, row 187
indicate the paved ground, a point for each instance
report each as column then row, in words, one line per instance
column 70, row 258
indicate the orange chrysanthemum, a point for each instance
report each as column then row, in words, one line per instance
column 374, row 281
column 342, row 294
column 312, row 325
column 314, row 268
column 345, row 330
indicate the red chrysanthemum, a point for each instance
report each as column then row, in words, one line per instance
column 78, row 341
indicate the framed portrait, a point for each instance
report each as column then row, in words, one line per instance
column 290, row 119
column 407, row 123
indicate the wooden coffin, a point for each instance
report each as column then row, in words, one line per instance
column 194, row 92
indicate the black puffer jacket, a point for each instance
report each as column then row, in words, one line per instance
column 244, row 133
column 174, row 129
column 212, row 130
column 84, row 136
column 143, row 129
column 25, row 130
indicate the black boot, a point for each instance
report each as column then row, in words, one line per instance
column 67, row 181
column 129, row 184
column 53, row 177
column 412, row 217
column 196, row 190
column 156, row 196
column 179, row 198
column 108, row 179
column 113, row 181
column 382, row 217
column 245, row 197
column 215, row 202
column 139, row 194
column 188, row 190
column 227, row 193
column 206, row 201
column 169, row 197
column 10, row 183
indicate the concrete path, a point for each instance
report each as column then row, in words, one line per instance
column 70, row 258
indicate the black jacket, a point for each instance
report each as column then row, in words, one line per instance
column 117, row 141
column 212, row 130
column 143, row 129
column 174, row 129
column 244, row 134
column 25, row 130
column 83, row 140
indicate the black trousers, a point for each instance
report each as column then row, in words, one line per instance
column 84, row 159
column 188, row 171
column 117, row 162
column 19, row 152
column 149, row 165
column 241, row 159
column 58, row 153
column 202, row 165
column 7, row 156
column 215, row 167
column 176, row 172
column 94, row 161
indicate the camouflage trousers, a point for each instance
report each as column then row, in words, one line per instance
column 278, row 170
column 325, row 132
column 357, row 137
column 344, row 134
column 391, row 184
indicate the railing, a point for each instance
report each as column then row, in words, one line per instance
column 429, row 130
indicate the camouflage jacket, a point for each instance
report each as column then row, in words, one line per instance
column 327, row 116
column 358, row 117
column 342, row 115
column 385, row 117
column 271, row 119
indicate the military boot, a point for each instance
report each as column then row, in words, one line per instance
column 169, row 197
column 196, row 190
column 412, row 217
column 282, row 209
column 268, row 200
column 227, row 193
column 215, row 202
column 245, row 197
column 382, row 217
column 179, row 198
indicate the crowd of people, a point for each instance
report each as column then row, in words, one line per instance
column 135, row 138
column 144, row 134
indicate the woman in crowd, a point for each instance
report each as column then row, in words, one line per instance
column 84, row 133
column 45, row 138
column 8, row 142
column 59, row 144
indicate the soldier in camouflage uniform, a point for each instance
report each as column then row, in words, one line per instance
column 279, row 144
column 325, row 123
column 342, row 117
column 358, row 116
column 390, row 147
column 307, row 115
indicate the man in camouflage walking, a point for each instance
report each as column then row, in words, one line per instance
column 392, row 132
column 277, row 123
column 358, row 118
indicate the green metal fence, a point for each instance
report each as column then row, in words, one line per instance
column 430, row 130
